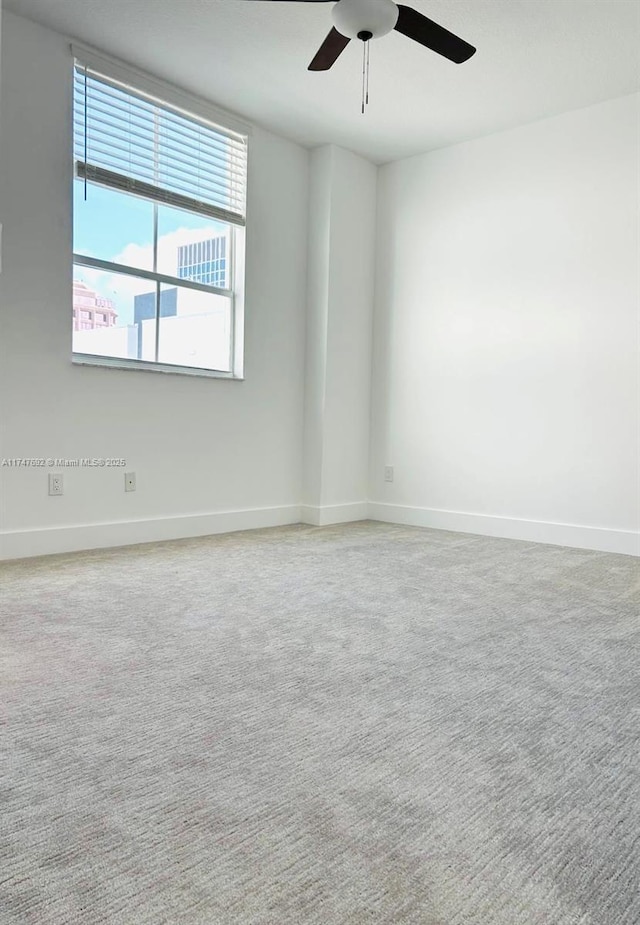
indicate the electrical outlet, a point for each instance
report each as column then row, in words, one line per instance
column 56, row 485
column 129, row 481
column 388, row 473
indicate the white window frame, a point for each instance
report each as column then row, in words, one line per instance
column 141, row 82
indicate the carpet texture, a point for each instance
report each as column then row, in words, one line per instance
column 321, row 726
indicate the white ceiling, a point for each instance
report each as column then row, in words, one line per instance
column 535, row 58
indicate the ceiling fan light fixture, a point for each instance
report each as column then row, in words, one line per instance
column 375, row 16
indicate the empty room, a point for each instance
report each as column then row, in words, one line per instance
column 319, row 462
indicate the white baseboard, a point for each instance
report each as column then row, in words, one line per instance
column 334, row 513
column 597, row 538
column 45, row 541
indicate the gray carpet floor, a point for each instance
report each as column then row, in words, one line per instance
column 321, row 726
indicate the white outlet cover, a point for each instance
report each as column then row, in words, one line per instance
column 56, row 484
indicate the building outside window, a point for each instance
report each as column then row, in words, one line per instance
column 205, row 261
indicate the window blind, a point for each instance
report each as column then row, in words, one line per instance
column 128, row 141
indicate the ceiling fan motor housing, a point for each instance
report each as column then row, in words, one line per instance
column 377, row 17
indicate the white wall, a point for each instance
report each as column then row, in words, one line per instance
column 317, row 324
column 0, row 123
column 351, row 288
column 505, row 385
column 198, row 446
column 339, row 331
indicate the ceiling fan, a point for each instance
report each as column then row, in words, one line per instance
column 371, row 19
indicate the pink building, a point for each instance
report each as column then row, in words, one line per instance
column 90, row 310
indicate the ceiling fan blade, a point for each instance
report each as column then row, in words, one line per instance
column 417, row 27
column 330, row 50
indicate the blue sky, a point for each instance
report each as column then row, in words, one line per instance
column 106, row 222
column 109, row 221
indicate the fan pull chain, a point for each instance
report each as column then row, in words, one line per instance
column 367, row 45
column 365, row 36
column 365, row 74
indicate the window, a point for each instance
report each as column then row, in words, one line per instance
column 158, row 227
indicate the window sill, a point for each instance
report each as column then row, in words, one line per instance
column 87, row 359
